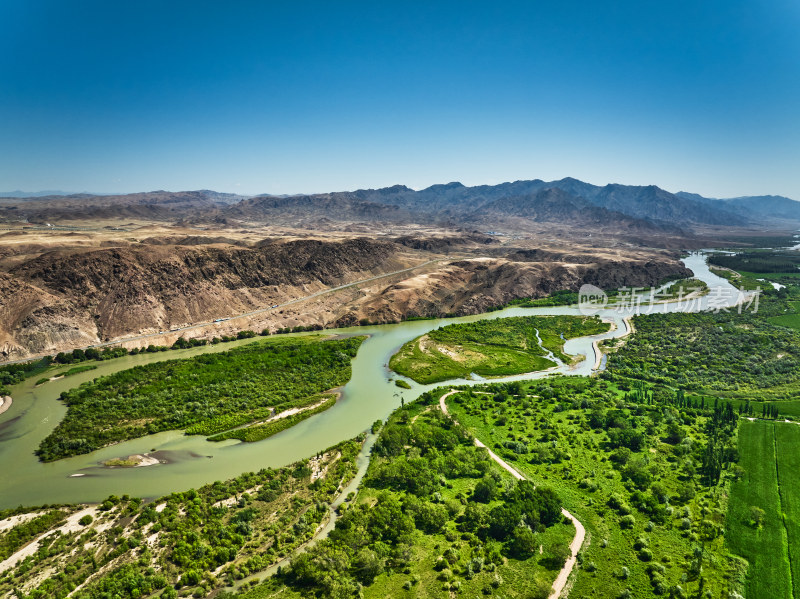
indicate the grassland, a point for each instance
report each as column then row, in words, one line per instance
column 435, row 517
column 791, row 320
column 211, row 392
column 787, row 451
column 627, row 463
column 764, row 544
column 736, row 279
column 188, row 543
column 491, row 347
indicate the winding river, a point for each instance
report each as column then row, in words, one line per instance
column 191, row 461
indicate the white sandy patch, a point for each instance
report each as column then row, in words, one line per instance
column 289, row 412
column 232, row 500
column 12, row 521
column 31, row 548
column 140, row 460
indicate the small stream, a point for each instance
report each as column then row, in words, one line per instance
column 547, row 353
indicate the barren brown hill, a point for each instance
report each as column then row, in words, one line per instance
column 57, row 300
column 473, row 286
column 64, row 299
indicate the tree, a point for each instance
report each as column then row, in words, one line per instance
column 485, row 490
column 367, row 565
column 524, row 544
column 757, row 516
column 558, row 554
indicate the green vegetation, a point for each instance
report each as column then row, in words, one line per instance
column 78, row 369
column 644, row 468
column 217, row 391
column 730, row 354
column 22, row 534
column 497, row 347
column 759, row 262
column 11, row 374
column 787, row 452
column 92, row 353
column 564, row 297
column 121, row 462
column 190, row 543
column 402, row 384
column 764, row 241
column 737, row 279
column 682, row 288
column 761, row 537
column 435, row 515
column 257, row 432
column 791, row 320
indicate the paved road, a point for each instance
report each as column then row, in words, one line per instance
column 580, row 532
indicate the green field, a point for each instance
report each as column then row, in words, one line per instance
column 736, row 278
column 489, row 348
column 791, row 320
column 764, row 546
column 210, row 393
column 788, row 452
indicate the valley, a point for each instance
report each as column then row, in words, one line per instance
column 211, row 357
column 377, row 300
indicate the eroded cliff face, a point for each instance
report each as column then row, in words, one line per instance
column 61, row 300
column 58, row 300
column 473, row 286
column 33, row 320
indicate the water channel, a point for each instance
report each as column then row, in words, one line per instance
column 192, row 461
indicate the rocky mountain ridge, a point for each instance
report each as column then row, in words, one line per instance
column 568, row 202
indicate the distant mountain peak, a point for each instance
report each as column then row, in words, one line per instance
column 445, row 186
column 394, row 189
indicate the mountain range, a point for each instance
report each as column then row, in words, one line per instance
column 567, row 201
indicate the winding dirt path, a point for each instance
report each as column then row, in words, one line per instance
column 580, row 532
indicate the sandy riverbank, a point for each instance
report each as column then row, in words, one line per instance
column 5, row 403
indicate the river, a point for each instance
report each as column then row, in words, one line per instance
column 192, row 461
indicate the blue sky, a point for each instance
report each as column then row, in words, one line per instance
column 287, row 97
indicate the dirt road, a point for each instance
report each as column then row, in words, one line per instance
column 580, row 532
